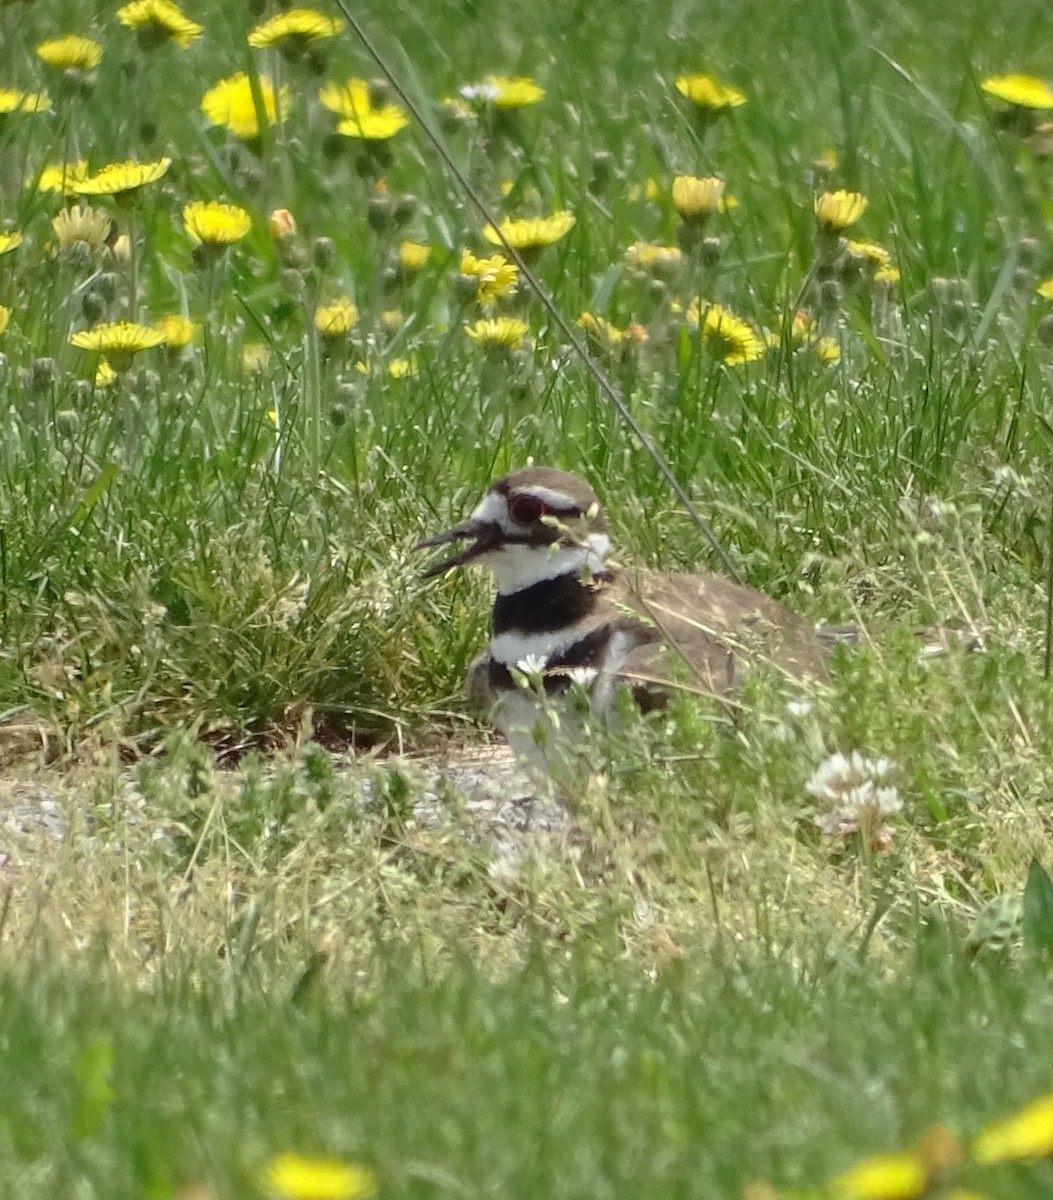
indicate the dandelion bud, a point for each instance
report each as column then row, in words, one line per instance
column 1044, row 330
column 710, row 251
column 337, row 415
column 317, row 60
column 107, row 284
column 831, row 293
column 381, row 211
column 93, row 307
column 42, row 374
column 81, row 394
column 601, row 171
column 282, row 224
column 380, row 93
column 323, row 251
column 67, row 421
column 334, row 145
column 405, row 207
column 292, row 282
column 1027, row 252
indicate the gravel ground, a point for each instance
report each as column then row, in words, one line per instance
column 502, row 812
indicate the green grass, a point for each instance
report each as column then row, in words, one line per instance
column 199, row 560
column 173, row 553
column 572, row 1077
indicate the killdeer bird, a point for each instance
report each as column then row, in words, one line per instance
column 563, row 615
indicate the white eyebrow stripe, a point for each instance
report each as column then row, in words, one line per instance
column 550, row 497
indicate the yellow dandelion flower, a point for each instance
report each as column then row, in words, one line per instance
column 695, row 199
column 254, row 358
column 531, row 233
column 413, row 256
column 828, row 350
column 392, row 318
column 1045, row 289
column 600, row 329
column 105, row 375
column 297, row 1177
column 646, row 256
column 837, row 210
column 336, row 319
column 71, row 53
column 404, row 368
column 116, row 179
column 886, row 275
column 80, row 224
column 120, row 341
column 374, row 124
column 160, row 21
column 301, row 24
column 636, row 334
column 883, row 1177
column 495, row 277
column 352, row 101
column 728, row 337
column 504, row 332
column 708, row 93
column 60, row 177
column 503, row 91
column 877, row 256
column 232, row 104
column 214, row 223
column 826, row 160
column 515, row 91
column 10, row 241
column 1023, row 91
column 1026, row 1134
column 346, row 99
column 178, row 331
column 5, row 318
column 12, row 101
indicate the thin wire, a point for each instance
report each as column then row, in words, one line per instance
column 602, row 382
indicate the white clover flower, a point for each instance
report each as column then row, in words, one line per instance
column 862, row 795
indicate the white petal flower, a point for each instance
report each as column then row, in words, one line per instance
column 529, row 671
column 862, row 795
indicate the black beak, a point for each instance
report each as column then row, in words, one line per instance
column 487, row 536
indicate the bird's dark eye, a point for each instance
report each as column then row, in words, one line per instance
column 525, row 510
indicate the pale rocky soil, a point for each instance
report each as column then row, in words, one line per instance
column 496, row 804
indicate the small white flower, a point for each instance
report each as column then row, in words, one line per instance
column 862, row 795
column 529, row 671
column 582, row 677
column 485, row 92
column 799, row 708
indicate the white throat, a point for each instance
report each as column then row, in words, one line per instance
column 516, row 567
